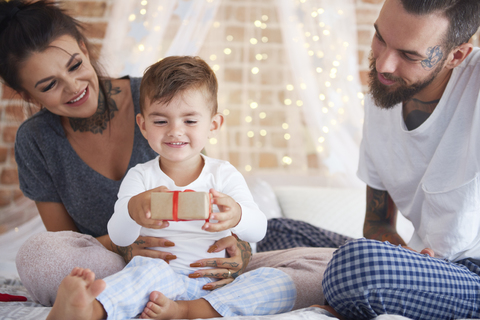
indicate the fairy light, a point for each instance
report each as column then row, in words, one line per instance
column 323, row 61
column 287, row 160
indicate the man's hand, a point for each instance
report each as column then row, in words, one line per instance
column 225, row 269
column 426, row 251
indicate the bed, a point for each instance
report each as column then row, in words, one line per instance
column 337, row 209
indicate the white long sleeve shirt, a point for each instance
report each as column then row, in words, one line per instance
column 191, row 242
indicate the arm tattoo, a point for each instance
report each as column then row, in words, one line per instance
column 107, row 107
column 434, row 55
column 380, row 219
column 125, row 252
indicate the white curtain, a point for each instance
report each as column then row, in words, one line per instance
column 293, row 102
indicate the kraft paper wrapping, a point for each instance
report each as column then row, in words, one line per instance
column 190, row 205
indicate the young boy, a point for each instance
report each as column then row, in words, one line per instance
column 178, row 98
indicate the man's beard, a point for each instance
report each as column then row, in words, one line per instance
column 384, row 98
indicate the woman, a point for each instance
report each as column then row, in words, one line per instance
column 73, row 154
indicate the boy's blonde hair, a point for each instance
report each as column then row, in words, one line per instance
column 171, row 76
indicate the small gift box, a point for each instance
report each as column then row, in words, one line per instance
column 180, row 205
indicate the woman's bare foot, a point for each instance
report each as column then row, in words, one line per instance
column 160, row 307
column 76, row 297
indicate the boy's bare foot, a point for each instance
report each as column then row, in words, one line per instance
column 160, row 307
column 76, row 296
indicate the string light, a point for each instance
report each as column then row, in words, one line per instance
column 334, row 68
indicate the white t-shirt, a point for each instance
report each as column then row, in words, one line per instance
column 432, row 173
column 191, row 242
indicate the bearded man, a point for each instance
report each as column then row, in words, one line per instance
column 420, row 153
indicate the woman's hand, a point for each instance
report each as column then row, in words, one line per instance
column 140, row 248
column 225, row 269
column 140, row 211
column 229, row 215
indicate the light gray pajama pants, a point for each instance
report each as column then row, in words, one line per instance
column 259, row 292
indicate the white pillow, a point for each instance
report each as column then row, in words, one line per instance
column 341, row 210
column 264, row 196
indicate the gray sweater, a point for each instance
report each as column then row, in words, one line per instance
column 50, row 170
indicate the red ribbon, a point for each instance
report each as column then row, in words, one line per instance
column 8, row 297
column 175, row 204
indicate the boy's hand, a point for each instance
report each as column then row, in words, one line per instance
column 139, row 209
column 229, row 215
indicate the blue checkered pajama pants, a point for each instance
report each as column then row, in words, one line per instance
column 283, row 233
column 258, row 292
column 367, row 278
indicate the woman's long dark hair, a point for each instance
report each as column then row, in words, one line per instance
column 27, row 27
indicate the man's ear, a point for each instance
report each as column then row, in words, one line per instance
column 141, row 124
column 459, row 54
column 216, row 125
